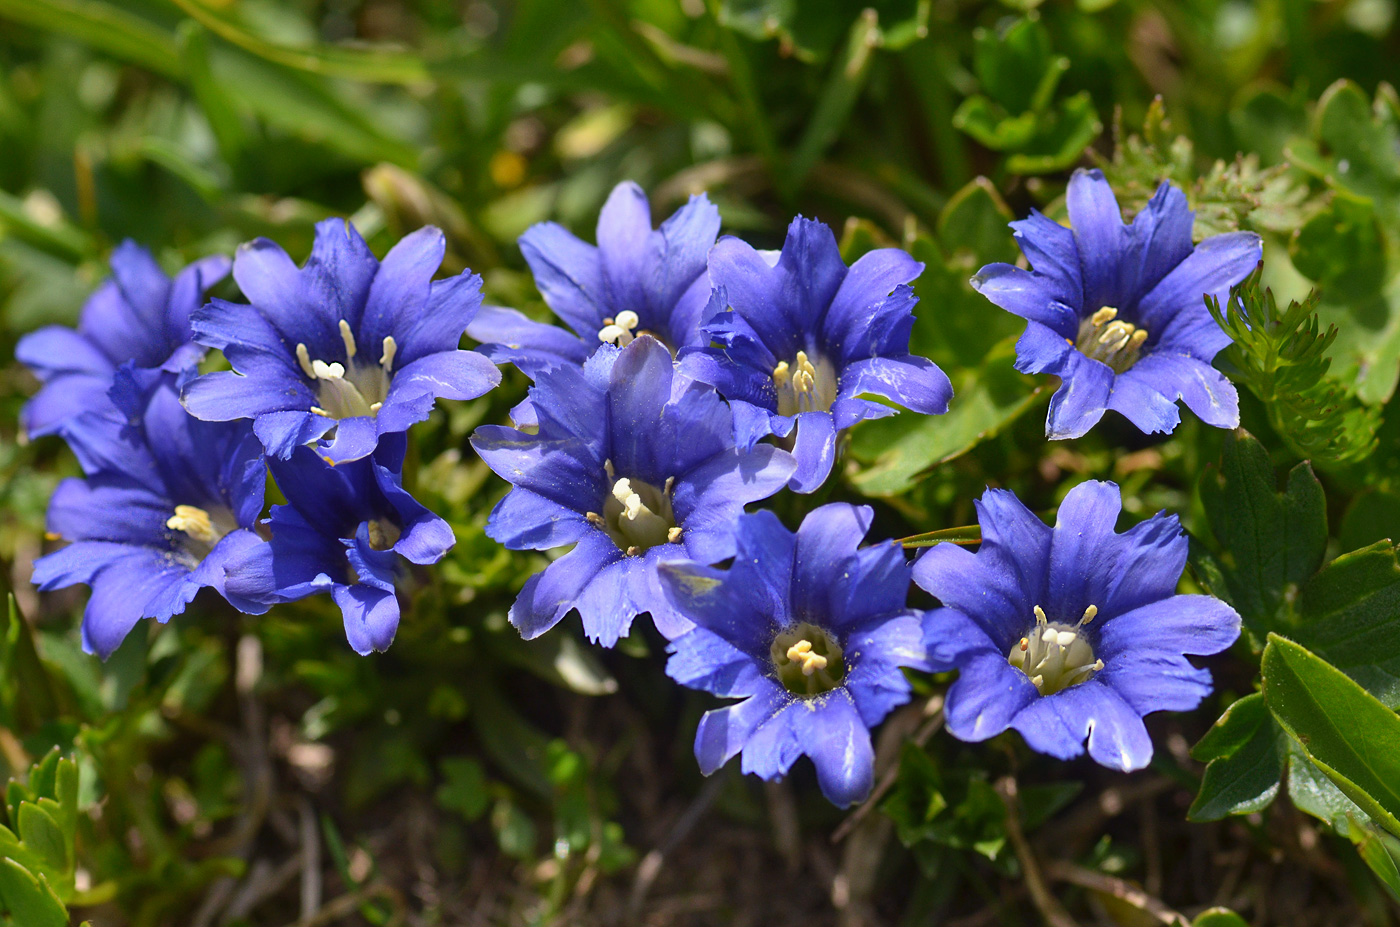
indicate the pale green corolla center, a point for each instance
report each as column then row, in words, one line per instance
column 200, row 528
column 803, row 385
column 807, row 660
column 383, row 533
column 355, row 388
column 1104, row 337
column 1055, row 655
column 637, row 515
column 621, row 329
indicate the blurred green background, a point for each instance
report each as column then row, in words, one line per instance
column 248, row 771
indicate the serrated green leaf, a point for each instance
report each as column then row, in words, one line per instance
column 1244, row 755
column 1270, row 542
column 1343, row 729
column 28, row 899
column 41, row 834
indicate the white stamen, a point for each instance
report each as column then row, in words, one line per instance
column 620, row 330
column 304, row 358
column 324, row 371
column 391, row 347
column 348, row 337
column 1056, row 655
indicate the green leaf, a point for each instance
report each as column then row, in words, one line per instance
column 1349, row 614
column 974, row 221
column 1373, row 515
column 1341, row 249
column 1269, row 542
column 1313, row 793
column 102, row 25
column 29, row 900
column 1354, row 144
column 464, row 789
column 1343, row 729
column 833, row 109
column 1060, row 139
column 1244, row 754
column 42, row 835
column 1219, row 917
column 898, row 449
column 1011, row 63
column 1381, row 853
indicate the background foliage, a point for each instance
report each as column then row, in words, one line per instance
column 236, row 770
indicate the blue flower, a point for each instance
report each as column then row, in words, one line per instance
column 635, row 280
column 804, row 337
column 343, row 350
column 1118, row 311
column 139, row 315
column 632, row 466
column 168, row 501
column 345, row 530
column 810, row 631
column 1073, row 632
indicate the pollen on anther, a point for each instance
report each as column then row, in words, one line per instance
column 347, row 336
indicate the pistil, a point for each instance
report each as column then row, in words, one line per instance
column 1106, row 338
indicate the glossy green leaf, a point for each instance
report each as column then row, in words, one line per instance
column 29, row 900
column 1349, row 614
column 1270, row 542
column 1244, row 755
column 1218, row 917
column 1344, row 730
column 1381, row 853
column 897, row 450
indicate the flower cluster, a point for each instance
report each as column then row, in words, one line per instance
column 700, row 376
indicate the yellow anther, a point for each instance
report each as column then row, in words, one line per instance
column 801, row 652
column 1040, row 615
column 304, row 358
column 1104, row 316
column 673, row 534
column 347, row 336
column 320, row 411
column 1089, row 614
column 391, row 347
column 781, row 375
column 195, row 522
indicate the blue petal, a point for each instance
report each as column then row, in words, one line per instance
column 1034, row 297
column 714, row 601
column 875, row 655
column 447, row 375
column 814, row 450
column 1043, row 350
column 109, row 511
column 701, row 659
column 378, row 569
column 61, row 398
column 1137, row 398
column 627, row 248
column 124, row 591
column 1083, row 550
column 1148, row 564
column 1054, row 254
column 914, row 382
column 452, row 305
column 680, row 281
column 838, row 742
column 773, row 746
column 709, row 499
column 1082, row 398
column 54, row 350
column 987, row 697
column 273, row 285
column 1155, row 681
column 872, row 312
column 525, row 520
column 550, row 594
column 615, row 596
column 724, row 732
column 225, row 396
column 1161, row 239
column 371, row 616
column 187, row 294
column 639, row 386
column 398, row 296
column 1196, row 624
column 282, row 432
column 568, row 275
column 1102, row 238
column 508, row 336
column 336, row 283
column 1057, row 725
column 562, row 470
column 827, row 538
column 298, row 562
column 875, row 582
column 1217, row 264
column 1205, row 390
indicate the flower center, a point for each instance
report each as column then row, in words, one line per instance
column 803, row 386
column 621, row 330
column 637, row 515
column 352, row 389
column 383, row 533
column 807, row 660
column 201, row 529
column 1103, row 337
column 1056, row 655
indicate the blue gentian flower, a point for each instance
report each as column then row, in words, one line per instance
column 810, row 631
column 635, row 280
column 633, row 467
column 1118, row 311
column 343, row 350
column 138, row 315
column 1070, row 632
column 803, row 337
column 345, row 530
column 167, row 502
